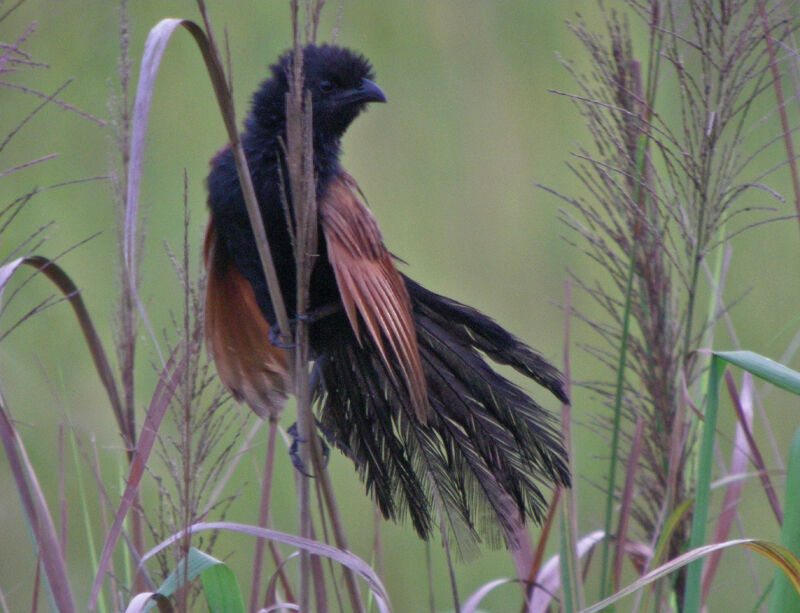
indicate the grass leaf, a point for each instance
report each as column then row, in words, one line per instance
column 764, row 368
column 778, row 554
column 67, row 286
column 222, row 590
column 694, row 576
column 154, row 48
column 471, row 605
column 37, row 513
column 220, row 586
column 784, row 598
column 548, row 581
column 144, row 602
column 345, row 558
column 70, row 291
column 6, row 272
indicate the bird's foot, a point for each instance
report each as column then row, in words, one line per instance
column 277, row 337
column 294, row 449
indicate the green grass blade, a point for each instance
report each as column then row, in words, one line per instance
column 220, row 586
column 691, row 600
column 87, row 522
column 187, row 570
column 769, row 370
column 222, row 590
column 784, row 596
column 605, row 579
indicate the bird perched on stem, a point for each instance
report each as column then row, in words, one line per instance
column 401, row 379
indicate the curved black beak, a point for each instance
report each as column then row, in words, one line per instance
column 367, row 91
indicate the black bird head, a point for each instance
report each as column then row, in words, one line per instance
column 340, row 82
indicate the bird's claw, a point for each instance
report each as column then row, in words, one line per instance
column 294, row 450
column 276, row 338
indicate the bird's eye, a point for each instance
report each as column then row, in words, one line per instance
column 325, row 87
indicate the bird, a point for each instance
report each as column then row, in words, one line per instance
column 402, row 380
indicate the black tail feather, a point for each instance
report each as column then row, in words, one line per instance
column 510, row 432
column 359, row 415
column 487, row 448
column 488, row 336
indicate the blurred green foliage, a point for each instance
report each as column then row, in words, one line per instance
column 450, row 167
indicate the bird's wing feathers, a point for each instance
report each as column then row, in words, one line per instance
column 237, row 336
column 371, row 287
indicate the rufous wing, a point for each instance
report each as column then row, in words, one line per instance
column 371, row 288
column 237, row 336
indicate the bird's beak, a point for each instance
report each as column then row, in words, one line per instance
column 367, row 91
column 371, row 92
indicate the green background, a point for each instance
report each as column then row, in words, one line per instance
column 450, row 167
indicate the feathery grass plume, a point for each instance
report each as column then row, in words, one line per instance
column 126, row 318
column 16, row 60
column 127, row 322
column 206, row 428
column 666, row 174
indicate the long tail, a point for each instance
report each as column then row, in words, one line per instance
column 487, row 448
